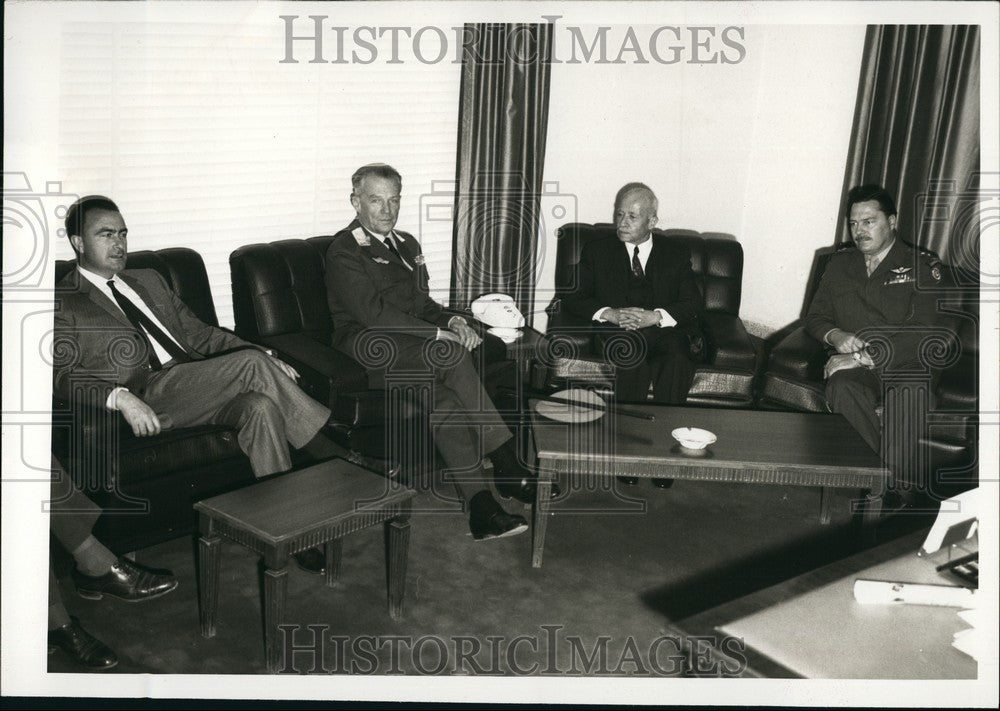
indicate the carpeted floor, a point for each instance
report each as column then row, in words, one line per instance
column 615, row 573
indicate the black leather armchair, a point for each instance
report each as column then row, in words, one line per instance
column 279, row 301
column 147, row 485
column 726, row 378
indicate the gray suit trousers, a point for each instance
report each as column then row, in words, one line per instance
column 71, row 519
column 246, row 390
column 465, row 425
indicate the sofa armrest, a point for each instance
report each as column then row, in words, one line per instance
column 325, row 371
column 798, row 355
column 85, row 439
column 568, row 331
column 730, row 346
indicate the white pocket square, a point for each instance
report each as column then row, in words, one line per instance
column 379, row 260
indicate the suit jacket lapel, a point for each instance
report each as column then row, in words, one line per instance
column 84, row 286
column 405, row 252
column 168, row 320
column 897, row 256
column 652, row 263
column 621, row 270
column 379, row 249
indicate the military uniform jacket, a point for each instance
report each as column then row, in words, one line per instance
column 96, row 348
column 896, row 305
column 606, row 268
column 367, row 287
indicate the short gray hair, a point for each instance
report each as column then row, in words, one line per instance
column 637, row 188
column 376, row 170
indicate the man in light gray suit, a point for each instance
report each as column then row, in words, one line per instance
column 125, row 341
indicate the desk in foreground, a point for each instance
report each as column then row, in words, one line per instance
column 753, row 447
column 812, row 627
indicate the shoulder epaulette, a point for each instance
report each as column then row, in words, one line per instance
column 931, row 260
column 928, row 256
column 844, row 246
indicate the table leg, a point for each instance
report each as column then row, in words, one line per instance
column 825, row 495
column 541, row 509
column 334, row 551
column 872, row 510
column 397, row 533
column 209, row 561
column 275, row 590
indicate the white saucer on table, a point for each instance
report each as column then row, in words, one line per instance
column 568, row 411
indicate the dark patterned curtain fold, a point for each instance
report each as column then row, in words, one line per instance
column 503, row 117
column 916, row 131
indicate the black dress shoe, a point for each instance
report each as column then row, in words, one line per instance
column 86, row 650
column 663, row 483
column 127, row 580
column 628, row 480
column 488, row 520
column 524, row 490
column 311, row 560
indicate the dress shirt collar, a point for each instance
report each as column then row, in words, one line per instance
column 382, row 238
column 877, row 258
column 97, row 280
column 644, row 250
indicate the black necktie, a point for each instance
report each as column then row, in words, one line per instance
column 392, row 248
column 143, row 324
column 637, row 265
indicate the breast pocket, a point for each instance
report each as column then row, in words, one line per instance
column 896, row 302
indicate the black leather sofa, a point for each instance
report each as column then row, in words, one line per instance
column 147, row 485
column 793, row 380
column 726, row 379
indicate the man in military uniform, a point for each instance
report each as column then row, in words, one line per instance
column 874, row 307
column 376, row 282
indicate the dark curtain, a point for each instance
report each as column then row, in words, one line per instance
column 503, row 116
column 916, row 132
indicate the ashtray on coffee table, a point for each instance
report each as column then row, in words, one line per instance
column 751, row 447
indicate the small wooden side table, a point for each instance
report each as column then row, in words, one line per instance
column 277, row 517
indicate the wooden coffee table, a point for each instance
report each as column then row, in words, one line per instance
column 286, row 514
column 753, row 447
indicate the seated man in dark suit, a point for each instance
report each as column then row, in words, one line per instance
column 377, row 292
column 98, row 572
column 641, row 295
column 124, row 341
column 874, row 306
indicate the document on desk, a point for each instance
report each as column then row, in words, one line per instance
column 881, row 592
column 827, row 634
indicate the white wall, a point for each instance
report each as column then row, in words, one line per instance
column 756, row 149
column 205, row 139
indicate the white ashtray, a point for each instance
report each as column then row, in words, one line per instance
column 693, row 437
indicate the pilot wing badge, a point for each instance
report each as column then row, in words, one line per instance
column 900, row 275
